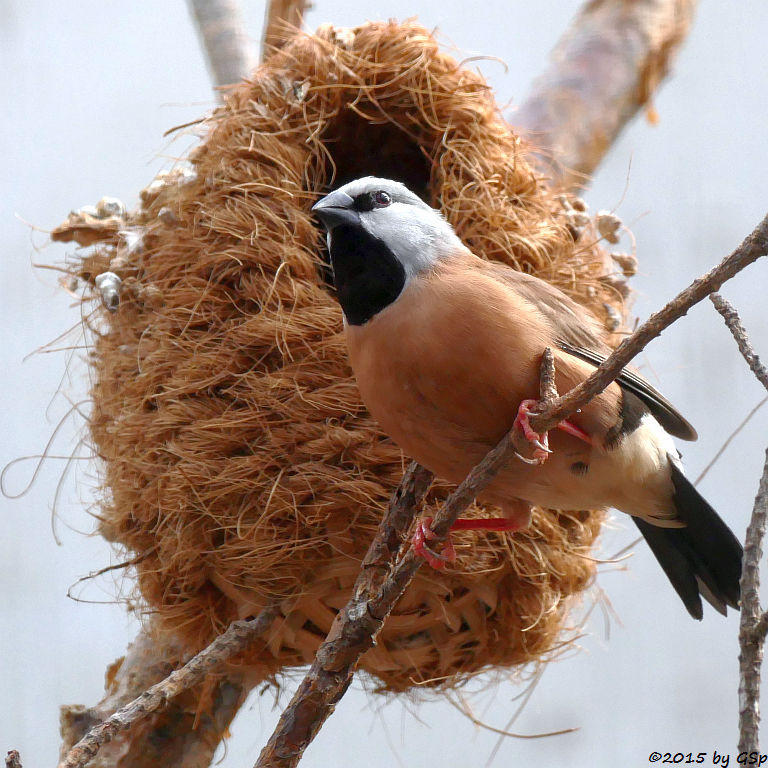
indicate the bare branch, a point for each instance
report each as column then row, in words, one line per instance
column 547, row 386
column 281, row 16
column 752, row 622
column 236, row 639
column 761, row 628
column 604, row 69
column 352, row 633
column 751, row 249
column 386, row 545
column 739, row 333
column 222, row 33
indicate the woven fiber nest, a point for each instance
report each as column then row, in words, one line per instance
column 239, row 464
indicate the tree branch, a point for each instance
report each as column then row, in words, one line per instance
column 752, row 623
column 752, row 248
column 547, row 386
column 228, row 51
column 352, row 633
column 356, row 626
column 739, row 333
column 604, row 69
column 280, row 16
column 236, row 639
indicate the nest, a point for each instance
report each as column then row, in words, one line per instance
column 239, row 464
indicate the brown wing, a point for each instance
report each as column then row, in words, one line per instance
column 663, row 411
column 579, row 334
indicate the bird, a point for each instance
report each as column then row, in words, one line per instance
column 446, row 349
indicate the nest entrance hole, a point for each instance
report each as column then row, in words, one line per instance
column 359, row 147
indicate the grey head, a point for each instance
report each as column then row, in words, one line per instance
column 380, row 236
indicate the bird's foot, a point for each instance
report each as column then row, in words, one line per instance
column 424, row 533
column 541, row 442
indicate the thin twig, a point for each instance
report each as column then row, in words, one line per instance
column 725, row 445
column 236, row 639
column 227, row 49
column 463, row 706
column 356, row 626
column 752, row 622
column 739, row 333
column 752, row 248
column 388, row 541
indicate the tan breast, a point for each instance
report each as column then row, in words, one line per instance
column 445, row 367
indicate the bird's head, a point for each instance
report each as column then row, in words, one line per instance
column 380, row 236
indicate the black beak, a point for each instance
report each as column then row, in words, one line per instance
column 335, row 209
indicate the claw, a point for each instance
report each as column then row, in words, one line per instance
column 527, row 460
column 540, row 442
column 423, row 534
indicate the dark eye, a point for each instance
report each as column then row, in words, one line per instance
column 380, row 199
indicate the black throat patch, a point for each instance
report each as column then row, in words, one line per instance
column 366, row 273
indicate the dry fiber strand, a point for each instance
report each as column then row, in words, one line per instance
column 239, row 464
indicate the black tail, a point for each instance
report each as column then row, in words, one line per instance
column 702, row 559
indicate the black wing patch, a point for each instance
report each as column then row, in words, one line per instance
column 662, row 410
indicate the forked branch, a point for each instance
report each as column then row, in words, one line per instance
column 236, row 639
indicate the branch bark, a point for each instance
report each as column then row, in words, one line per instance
column 739, row 333
column 752, row 623
column 228, row 51
column 225, row 701
column 604, row 69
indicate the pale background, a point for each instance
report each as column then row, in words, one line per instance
column 88, row 89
